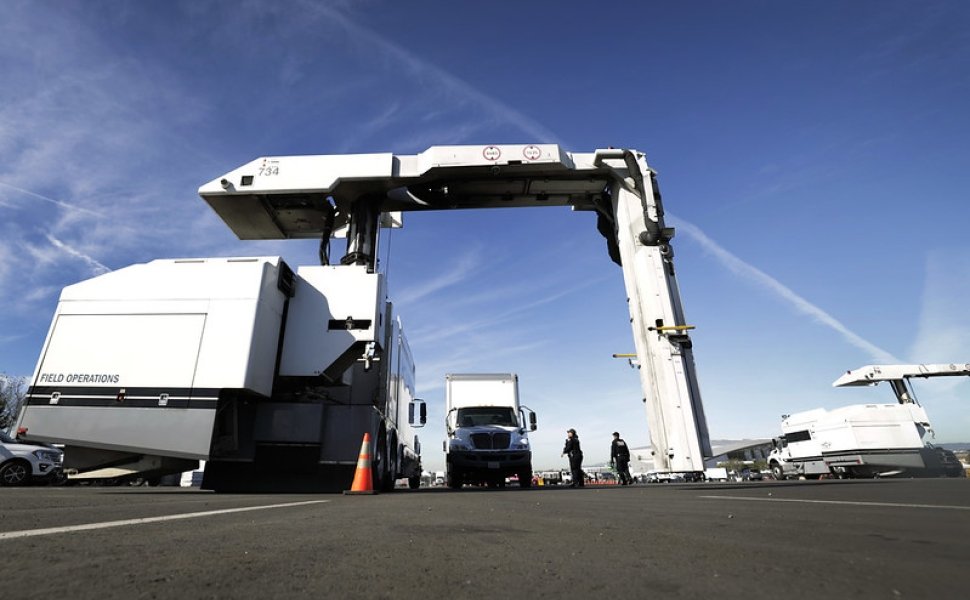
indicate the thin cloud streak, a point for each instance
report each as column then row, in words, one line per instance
column 447, row 80
column 769, row 283
column 943, row 334
column 60, row 203
column 96, row 267
column 464, row 328
column 459, row 272
column 470, row 359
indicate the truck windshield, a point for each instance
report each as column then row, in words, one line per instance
column 486, row 415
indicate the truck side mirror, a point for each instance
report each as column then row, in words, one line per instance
column 421, row 418
column 448, row 420
column 532, row 421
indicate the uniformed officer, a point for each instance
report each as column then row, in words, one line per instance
column 620, row 459
column 575, row 454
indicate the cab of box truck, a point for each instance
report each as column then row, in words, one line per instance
column 488, row 431
column 798, row 451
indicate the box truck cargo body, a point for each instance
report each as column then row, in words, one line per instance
column 270, row 376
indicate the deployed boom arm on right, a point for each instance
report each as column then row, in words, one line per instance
column 898, row 377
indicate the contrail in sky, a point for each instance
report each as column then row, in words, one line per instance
column 60, row 203
column 98, row 268
column 461, row 270
column 446, row 79
column 762, row 279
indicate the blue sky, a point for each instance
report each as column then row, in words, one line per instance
column 813, row 157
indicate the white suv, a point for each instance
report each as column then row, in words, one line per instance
column 22, row 463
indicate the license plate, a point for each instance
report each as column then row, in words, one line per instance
column 492, row 465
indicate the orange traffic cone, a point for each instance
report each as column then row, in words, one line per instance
column 363, row 483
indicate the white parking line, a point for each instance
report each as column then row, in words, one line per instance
column 846, row 502
column 106, row 524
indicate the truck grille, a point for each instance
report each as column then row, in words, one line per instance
column 491, row 441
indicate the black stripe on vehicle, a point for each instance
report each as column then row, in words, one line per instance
column 868, row 452
column 119, row 397
column 70, row 390
column 204, row 403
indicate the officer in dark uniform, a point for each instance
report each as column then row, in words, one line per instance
column 575, row 454
column 620, row 459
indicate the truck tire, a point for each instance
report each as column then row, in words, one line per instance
column 453, row 478
column 15, row 473
column 777, row 471
column 382, row 468
column 414, row 482
column 393, row 467
column 525, row 479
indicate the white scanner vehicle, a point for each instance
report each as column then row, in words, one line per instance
column 867, row 440
column 271, row 377
column 487, row 428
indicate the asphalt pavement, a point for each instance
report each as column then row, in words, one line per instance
column 819, row 539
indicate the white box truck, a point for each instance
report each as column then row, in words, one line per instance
column 487, row 430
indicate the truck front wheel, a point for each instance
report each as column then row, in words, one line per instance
column 777, row 471
column 525, row 479
column 453, row 478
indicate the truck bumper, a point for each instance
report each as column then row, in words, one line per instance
column 486, row 464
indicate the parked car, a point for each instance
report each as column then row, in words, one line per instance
column 663, row 477
column 752, row 475
column 22, row 462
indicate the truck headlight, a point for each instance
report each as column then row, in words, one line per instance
column 523, row 445
column 457, row 445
